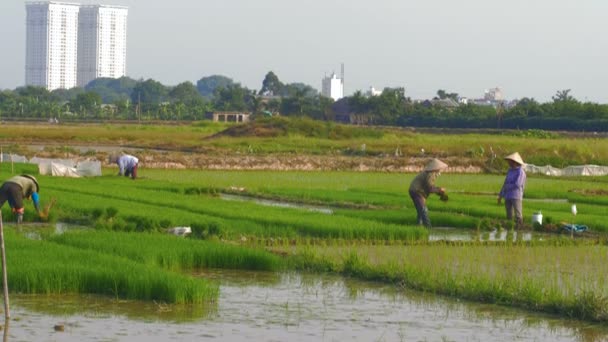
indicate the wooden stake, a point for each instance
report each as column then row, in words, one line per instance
column 7, row 314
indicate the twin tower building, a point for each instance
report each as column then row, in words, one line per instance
column 69, row 44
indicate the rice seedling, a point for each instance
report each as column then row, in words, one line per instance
column 42, row 267
column 566, row 280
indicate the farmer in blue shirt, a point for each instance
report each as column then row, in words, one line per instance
column 15, row 189
column 127, row 165
column 513, row 188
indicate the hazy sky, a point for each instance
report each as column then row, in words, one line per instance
column 527, row 47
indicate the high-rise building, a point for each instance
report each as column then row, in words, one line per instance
column 102, row 42
column 51, row 47
column 333, row 87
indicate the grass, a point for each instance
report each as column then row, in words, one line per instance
column 306, row 137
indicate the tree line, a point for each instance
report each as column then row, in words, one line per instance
column 129, row 99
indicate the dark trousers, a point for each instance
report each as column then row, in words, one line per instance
column 421, row 209
column 13, row 193
column 131, row 172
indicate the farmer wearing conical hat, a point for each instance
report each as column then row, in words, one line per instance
column 17, row 188
column 423, row 185
column 513, row 188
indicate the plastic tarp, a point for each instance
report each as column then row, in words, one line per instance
column 56, row 169
column 15, row 158
column 577, row 170
column 67, row 167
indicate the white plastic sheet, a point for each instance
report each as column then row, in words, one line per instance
column 576, row 170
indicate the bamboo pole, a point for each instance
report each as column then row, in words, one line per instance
column 7, row 314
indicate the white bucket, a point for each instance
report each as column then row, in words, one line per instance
column 537, row 218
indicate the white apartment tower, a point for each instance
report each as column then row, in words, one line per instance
column 51, row 44
column 102, row 42
column 333, row 87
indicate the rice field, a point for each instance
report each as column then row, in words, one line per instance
column 370, row 233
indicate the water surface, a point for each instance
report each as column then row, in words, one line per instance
column 256, row 306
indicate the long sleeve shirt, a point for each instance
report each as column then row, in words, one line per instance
column 424, row 183
column 513, row 188
column 126, row 162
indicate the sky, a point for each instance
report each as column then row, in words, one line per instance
column 528, row 48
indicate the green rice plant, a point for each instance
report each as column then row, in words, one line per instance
column 565, row 280
column 41, row 267
column 169, row 251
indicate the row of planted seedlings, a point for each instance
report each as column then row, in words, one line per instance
column 155, row 208
column 142, row 266
column 472, row 197
column 564, row 277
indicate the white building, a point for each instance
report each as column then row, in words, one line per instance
column 373, row 92
column 494, row 94
column 102, row 42
column 51, row 44
column 332, row 87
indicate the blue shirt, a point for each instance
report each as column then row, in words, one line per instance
column 513, row 188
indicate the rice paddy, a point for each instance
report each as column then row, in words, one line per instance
column 368, row 233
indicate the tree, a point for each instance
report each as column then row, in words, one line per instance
column 86, row 103
column 112, row 89
column 271, row 86
column 208, row 85
column 184, row 92
column 442, row 94
column 231, row 98
column 149, row 92
column 563, row 96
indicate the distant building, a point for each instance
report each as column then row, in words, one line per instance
column 68, row 45
column 228, row 116
column 373, row 92
column 333, row 87
column 494, row 95
column 102, row 42
column 51, row 44
column 448, row 103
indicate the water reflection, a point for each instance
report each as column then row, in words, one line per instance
column 455, row 234
column 261, row 306
column 281, row 204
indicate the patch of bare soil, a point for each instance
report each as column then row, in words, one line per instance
column 238, row 161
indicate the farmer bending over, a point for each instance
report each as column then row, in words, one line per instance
column 422, row 186
column 127, row 165
column 16, row 189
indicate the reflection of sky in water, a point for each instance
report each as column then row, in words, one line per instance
column 281, row 204
column 290, row 307
column 453, row 234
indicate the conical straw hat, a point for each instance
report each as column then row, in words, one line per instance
column 516, row 158
column 435, row 165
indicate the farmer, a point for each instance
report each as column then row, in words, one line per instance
column 513, row 188
column 16, row 189
column 422, row 186
column 127, row 165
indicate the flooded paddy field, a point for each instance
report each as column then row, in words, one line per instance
column 267, row 306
